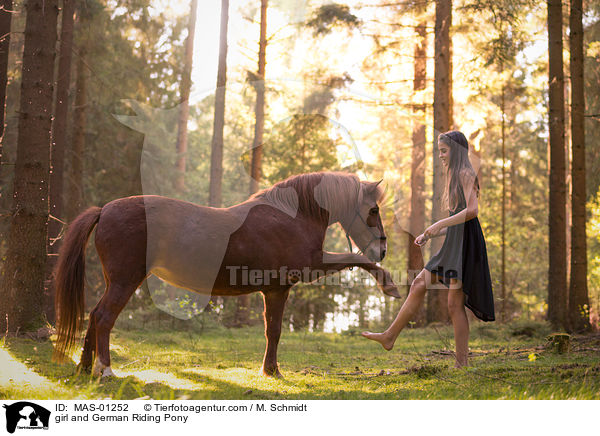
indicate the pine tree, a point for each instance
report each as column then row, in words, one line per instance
column 579, row 318
column 5, row 21
column 417, row 175
column 75, row 154
column 437, row 307
column 184, row 108
column 243, row 307
column 24, row 269
column 216, row 155
column 60, row 123
column 557, row 269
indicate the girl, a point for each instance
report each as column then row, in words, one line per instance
column 461, row 264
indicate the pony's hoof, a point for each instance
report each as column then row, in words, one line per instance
column 391, row 290
column 101, row 370
column 271, row 373
column 107, row 372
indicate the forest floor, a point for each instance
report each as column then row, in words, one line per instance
column 507, row 362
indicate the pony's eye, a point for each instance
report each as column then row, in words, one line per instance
column 374, row 211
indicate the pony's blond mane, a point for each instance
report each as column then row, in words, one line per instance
column 330, row 196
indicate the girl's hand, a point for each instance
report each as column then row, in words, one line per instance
column 432, row 230
column 421, row 240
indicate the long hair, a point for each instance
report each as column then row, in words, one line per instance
column 459, row 165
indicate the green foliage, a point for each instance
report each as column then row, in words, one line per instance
column 526, row 261
column 331, row 15
column 525, row 158
column 308, row 305
column 593, row 234
column 592, row 98
column 297, row 145
column 508, row 37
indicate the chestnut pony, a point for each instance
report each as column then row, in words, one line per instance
column 277, row 232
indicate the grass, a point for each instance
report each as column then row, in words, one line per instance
column 507, row 362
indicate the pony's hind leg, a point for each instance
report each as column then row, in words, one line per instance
column 121, row 240
column 89, row 343
column 103, row 320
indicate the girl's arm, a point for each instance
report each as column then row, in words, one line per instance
column 441, row 233
column 422, row 239
column 470, row 212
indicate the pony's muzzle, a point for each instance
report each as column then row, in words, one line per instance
column 383, row 246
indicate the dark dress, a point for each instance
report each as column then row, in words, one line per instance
column 464, row 257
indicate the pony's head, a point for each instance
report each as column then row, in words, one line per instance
column 354, row 204
column 335, row 197
column 364, row 224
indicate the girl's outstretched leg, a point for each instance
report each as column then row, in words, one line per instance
column 407, row 312
column 456, row 310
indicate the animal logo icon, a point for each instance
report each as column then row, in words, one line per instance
column 24, row 414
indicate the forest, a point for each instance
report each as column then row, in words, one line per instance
column 210, row 102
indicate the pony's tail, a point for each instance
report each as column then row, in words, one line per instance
column 69, row 280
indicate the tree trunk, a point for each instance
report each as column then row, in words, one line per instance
column 59, row 125
column 5, row 20
column 503, row 205
column 216, row 156
column 579, row 319
column 243, row 307
column 557, row 271
column 437, row 300
column 255, row 171
column 76, row 158
column 215, row 198
column 57, row 150
column 184, row 108
column 568, row 186
column 24, row 270
column 417, row 175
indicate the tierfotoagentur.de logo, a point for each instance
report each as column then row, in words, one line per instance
column 26, row 415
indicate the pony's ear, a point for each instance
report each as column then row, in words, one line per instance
column 373, row 188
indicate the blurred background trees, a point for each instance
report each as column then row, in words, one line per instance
column 355, row 86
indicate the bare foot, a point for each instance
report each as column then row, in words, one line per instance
column 382, row 338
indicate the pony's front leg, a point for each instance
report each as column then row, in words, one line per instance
column 339, row 261
column 274, row 303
